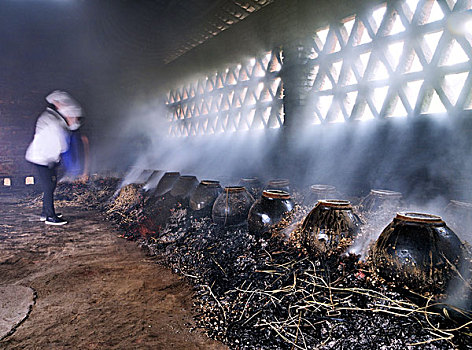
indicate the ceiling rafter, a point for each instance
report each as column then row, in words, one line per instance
column 251, row 2
column 216, row 17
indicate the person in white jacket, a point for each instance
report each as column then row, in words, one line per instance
column 49, row 141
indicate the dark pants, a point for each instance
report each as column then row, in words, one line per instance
column 48, row 181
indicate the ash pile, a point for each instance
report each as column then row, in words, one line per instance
column 274, row 267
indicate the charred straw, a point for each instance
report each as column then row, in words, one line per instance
column 278, row 292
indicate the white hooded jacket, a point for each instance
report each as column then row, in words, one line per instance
column 50, row 139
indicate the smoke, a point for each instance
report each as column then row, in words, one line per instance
column 425, row 160
column 419, row 159
column 373, row 225
column 422, row 159
column 141, row 141
column 376, row 221
column 459, row 292
column 153, row 180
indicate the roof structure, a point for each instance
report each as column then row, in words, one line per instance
column 167, row 29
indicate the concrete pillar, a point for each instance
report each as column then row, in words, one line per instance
column 294, row 76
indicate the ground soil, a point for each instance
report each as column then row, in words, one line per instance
column 94, row 289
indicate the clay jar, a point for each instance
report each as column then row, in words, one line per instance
column 183, row 188
column 268, row 210
column 153, row 180
column 459, row 217
column 380, row 200
column 278, row 184
column 232, row 206
column 226, row 180
column 136, row 175
column 318, row 192
column 418, row 251
column 204, row 196
column 144, row 176
column 166, row 183
column 331, row 225
column 252, row 184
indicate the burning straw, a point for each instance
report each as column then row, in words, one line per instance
column 256, row 293
column 267, row 294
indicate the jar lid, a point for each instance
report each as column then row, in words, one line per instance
column 386, row 193
column 249, row 179
column 322, row 188
column 461, row 204
column 235, row 189
column 276, row 194
column 419, row 217
column 279, row 182
column 188, row 177
column 335, row 203
column 210, row 183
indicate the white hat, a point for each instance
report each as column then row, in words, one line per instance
column 67, row 105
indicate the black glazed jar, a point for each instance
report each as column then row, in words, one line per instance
column 184, row 187
column 278, row 184
column 380, row 200
column 232, row 206
column 166, row 183
column 419, row 251
column 153, row 180
column 204, row 196
column 318, row 192
column 330, row 226
column 268, row 210
column 252, row 184
column 459, row 217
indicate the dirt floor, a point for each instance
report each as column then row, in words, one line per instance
column 94, row 290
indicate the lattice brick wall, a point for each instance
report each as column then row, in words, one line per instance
column 246, row 96
column 402, row 58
